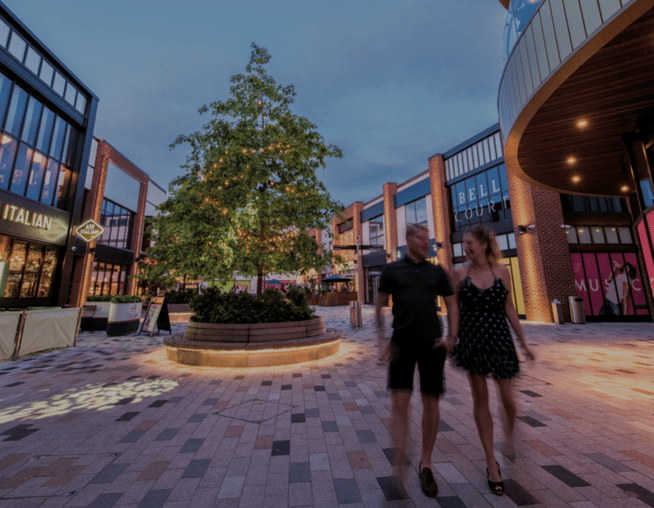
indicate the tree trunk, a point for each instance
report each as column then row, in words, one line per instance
column 260, row 274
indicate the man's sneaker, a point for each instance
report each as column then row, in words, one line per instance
column 427, row 481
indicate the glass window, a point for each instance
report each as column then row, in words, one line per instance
column 608, row 8
column 70, row 146
column 457, row 250
column 36, row 176
column 80, row 103
column 45, row 130
column 410, row 213
column 5, row 92
column 8, row 148
column 648, row 196
column 16, row 112
column 47, row 275
column 33, row 60
column 584, row 235
column 498, row 144
column 475, row 157
column 611, row 235
column 511, row 238
column 46, row 73
column 58, row 138
column 592, row 18
column 62, row 187
column 17, row 46
column 486, row 148
column 598, row 234
column 421, row 211
column 59, row 84
column 625, row 235
column 4, row 33
column 49, row 181
column 571, row 233
column 21, row 169
column 32, row 118
column 491, row 146
column 376, row 231
column 502, row 242
column 32, row 270
column 15, row 272
column 71, row 93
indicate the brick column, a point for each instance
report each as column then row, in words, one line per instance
column 390, row 220
column 543, row 252
column 441, row 211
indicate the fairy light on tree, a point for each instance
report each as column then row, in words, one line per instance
column 250, row 192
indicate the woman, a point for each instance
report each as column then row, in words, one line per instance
column 484, row 344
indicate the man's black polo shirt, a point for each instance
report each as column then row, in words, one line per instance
column 414, row 287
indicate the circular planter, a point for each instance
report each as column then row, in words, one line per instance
column 253, row 345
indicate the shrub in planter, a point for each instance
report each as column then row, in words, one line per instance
column 99, row 298
column 212, row 306
column 176, row 297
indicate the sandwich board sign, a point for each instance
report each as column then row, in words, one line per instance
column 156, row 315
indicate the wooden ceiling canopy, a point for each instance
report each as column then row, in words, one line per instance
column 611, row 91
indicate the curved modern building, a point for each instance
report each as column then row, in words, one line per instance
column 576, row 104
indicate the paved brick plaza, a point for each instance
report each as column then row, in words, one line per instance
column 112, row 422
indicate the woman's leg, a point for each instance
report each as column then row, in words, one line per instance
column 510, row 412
column 484, row 422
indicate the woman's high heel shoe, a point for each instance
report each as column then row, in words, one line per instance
column 496, row 488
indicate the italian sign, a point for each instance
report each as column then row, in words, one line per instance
column 89, row 231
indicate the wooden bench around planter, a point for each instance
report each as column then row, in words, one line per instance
column 253, row 345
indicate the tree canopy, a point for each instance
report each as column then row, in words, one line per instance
column 250, row 192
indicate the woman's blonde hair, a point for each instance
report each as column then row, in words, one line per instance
column 486, row 235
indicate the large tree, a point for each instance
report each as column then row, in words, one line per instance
column 250, row 193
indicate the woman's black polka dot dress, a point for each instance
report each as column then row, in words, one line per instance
column 484, row 345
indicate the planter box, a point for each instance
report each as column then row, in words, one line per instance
column 100, row 317
column 123, row 318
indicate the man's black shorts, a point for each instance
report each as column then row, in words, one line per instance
column 430, row 362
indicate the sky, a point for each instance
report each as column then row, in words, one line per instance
column 390, row 82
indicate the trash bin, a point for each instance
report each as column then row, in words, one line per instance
column 355, row 314
column 557, row 312
column 577, row 313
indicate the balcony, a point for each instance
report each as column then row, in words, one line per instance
column 579, row 77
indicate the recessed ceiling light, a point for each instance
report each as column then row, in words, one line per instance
column 575, row 178
column 582, row 123
column 624, row 188
column 571, row 160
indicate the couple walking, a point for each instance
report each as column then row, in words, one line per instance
column 479, row 340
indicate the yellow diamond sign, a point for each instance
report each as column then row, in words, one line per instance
column 90, row 230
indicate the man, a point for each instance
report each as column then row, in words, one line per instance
column 414, row 284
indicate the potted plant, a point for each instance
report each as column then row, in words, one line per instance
column 124, row 315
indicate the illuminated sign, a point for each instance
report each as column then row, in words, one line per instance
column 89, row 231
column 23, row 216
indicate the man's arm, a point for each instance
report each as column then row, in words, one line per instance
column 452, row 305
column 384, row 348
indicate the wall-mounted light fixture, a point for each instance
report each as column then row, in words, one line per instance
column 526, row 229
column 438, row 245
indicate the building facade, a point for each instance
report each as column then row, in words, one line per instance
column 120, row 197
column 576, row 110
column 47, row 116
column 554, row 245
